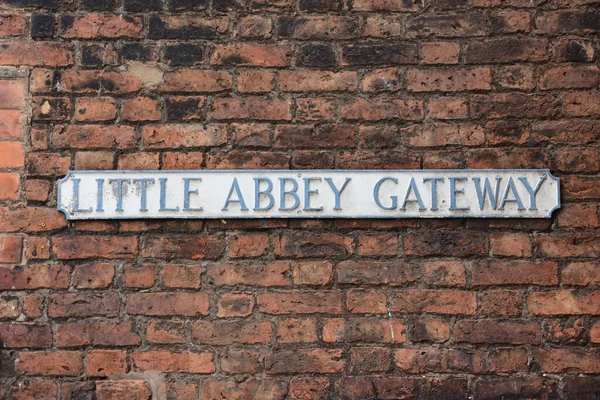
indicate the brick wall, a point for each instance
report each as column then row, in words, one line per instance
column 352, row 309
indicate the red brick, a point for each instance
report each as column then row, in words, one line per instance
column 441, row 243
column 364, row 330
column 12, row 94
column 445, row 273
column 179, row 135
column 382, row 109
column 93, row 26
column 390, row 273
column 16, row 334
column 248, row 160
column 436, row 135
column 118, row 389
column 318, row 27
column 251, row 135
column 561, row 360
column 48, row 164
column 37, row 248
column 36, row 190
column 182, row 276
column 257, row 108
column 581, row 103
column 447, row 108
column 430, row 330
column 96, row 333
column 12, row 155
column 314, row 108
column 595, row 333
column 140, row 109
column 296, row 302
column 510, row 244
column 313, row 273
column 426, row 80
column 84, row 305
column 383, row 5
column 11, row 248
column 565, row 331
column 165, row 304
column 489, row 331
column 581, row 274
column 370, row 359
column 380, row 244
column 578, row 216
column 94, row 81
column 241, row 361
column 253, row 26
column 247, row 54
column 95, row 136
column 510, row 21
column 228, row 332
column 507, row 360
column 254, row 245
column 92, row 109
column 302, row 361
column 30, row 219
column 366, row 302
column 10, row 124
column 190, row 160
column 197, row 81
column 317, row 81
column 166, row 332
column 295, row 330
column 93, row 276
column 440, row 52
column 308, row 388
column 105, row 363
column 38, row 389
column 165, row 361
column 97, row 160
column 389, row 79
column 448, row 25
column 379, row 160
column 34, row 276
column 572, row 245
column 184, row 247
column 9, row 307
column 275, row 273
column 564, row 302
column 255, row 81
column 434, row 301
column 423, row 360
column 301, row 245
column 577, row 160
column 568, row 21
column 139, row 275
column 496, row 303
column 324, row 136
column 55, row 363
column 251, row 388
column 506, row 50
column 515, row 273
column 82, row 247
column 12, row 25
column 235, row 305
column 526, row 386
column 52, row 54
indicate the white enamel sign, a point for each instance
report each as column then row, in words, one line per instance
column 309, row 194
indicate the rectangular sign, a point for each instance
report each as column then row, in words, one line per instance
column 309, row 194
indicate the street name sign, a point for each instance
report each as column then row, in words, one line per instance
column 528, row 193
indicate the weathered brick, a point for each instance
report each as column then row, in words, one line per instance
column 247, row 54
column 489, row 331
column 92, row 26
column 53, row 363
column 505, row 273
column 19, row 334
column 258, row 108
column 382, row 109
column 115, row 389
column 423, row 360
column 228, row 332
column 301, row 361
column 84, row 305
column 364, row 330
column 186, row 27
column 51, row 54
column 426, row 80
column 250, row 388
column 563, row 302
column 434, row 301
column 95, row 137
column 166, row 303
column 268, row 274
column 96, row 333
column 296, row 302
column 166, row 361
column 184, row 247
column 235, row 305
column 105, row 363
column 166, row 332
column 376, row 273
column 360, row 54
column 318, row 27
column 82, row 247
